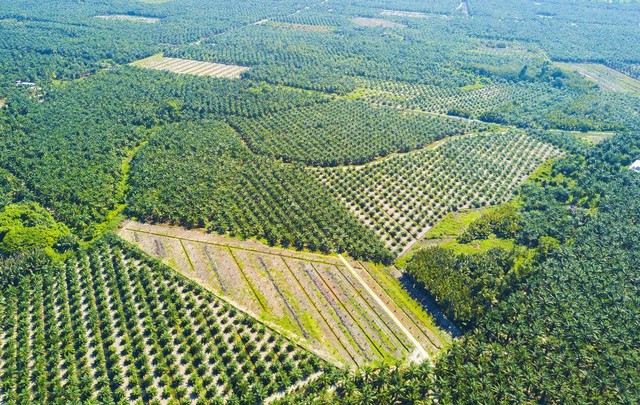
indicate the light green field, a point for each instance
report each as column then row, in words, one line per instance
column 444, row 234
column 607, row 78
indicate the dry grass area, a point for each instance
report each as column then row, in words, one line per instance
column 126, row 17
column 315, row 299
column 376, row 22
column 191, row 67
column 607, row 78
column 301, row 27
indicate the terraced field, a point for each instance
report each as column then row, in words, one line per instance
column 191, row 67
column 318, row 300
column 400, row 198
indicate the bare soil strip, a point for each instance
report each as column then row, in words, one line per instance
column 301, row 27
column 407, row 14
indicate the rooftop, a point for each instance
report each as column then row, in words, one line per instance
column 636, row 166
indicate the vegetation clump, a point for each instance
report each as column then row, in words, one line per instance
column 28, row 226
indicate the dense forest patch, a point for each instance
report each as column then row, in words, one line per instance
column 28, row 226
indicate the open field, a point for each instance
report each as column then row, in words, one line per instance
column 445, row 233
column 318, row 299
column 113, row 326
column 607, row 78
column 376, row 22
column 191, row 67
column 301, row 27
column 594, row 137
column 402, row 197
column 126, row 17
column 407, row 14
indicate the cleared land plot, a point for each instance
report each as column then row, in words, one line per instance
column 406, row 14
column 126, row 17
column 607, row 78
column 313, row 298
column 301, row 27
column 376, row 22
column 400, row 198
column 594, row 137
column 191, row 67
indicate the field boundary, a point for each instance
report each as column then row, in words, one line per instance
column 421, row 350
column 164, row 235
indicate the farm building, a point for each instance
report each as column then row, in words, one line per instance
column 635, row 166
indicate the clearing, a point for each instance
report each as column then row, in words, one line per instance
column 301, row 27
column 376, row 22
column 445, row 233
column 349, row 312
column 127, row 17
column 594, row 137
column 407, row 14
column 607, row 78
column 191, row 67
